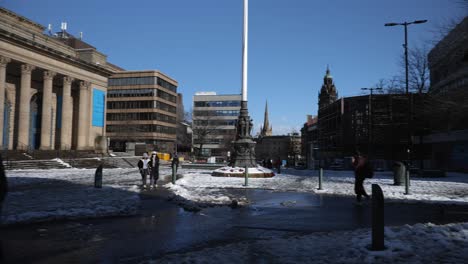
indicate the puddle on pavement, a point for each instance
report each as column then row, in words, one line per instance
column 271, row 199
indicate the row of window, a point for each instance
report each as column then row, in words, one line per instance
column 142, row 81
column 217, row 113
column 215, row 132
column 140, row 116
column 214, row 141
column 133, row 129
column 217, row 103
column 141, row 105
column 150, row 92
column 214, row 122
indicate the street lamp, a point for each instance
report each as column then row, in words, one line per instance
column 405, row 24
column 370, row 117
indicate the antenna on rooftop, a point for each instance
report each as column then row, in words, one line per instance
column 81, row 35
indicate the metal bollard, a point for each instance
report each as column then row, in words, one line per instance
column 174, row 173
column 320, row 179
column 378, row 231
column 407, row 182
column 98, row 177
column 246, row 175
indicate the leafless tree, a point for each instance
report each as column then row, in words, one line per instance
column 418, row 69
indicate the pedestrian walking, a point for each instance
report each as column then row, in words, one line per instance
column 361, row 171
column 154, row 168
column 278, row 165
column 143, row 165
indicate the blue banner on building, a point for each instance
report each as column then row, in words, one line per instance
column 99, row 98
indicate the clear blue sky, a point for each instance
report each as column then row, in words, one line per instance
column 198, row 43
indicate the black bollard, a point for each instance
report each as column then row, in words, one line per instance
column 3, row 193
column 98, row 177
column 377, row 218
column 174, row 173
column 320, row 179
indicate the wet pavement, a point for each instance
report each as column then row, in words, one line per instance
column 162, row 227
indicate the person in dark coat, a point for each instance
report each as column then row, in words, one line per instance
column 154, row 168
column 144, row 168
column 269, row 163
column 360, row 166
column 278, row 165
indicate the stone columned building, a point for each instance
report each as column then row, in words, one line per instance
column 52, row 88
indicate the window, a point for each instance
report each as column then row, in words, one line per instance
column 151, row 80
column 217, row 103
column 167, row 85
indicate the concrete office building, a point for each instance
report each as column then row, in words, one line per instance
column 52, row 88
column 214, row 123
column 142, row 108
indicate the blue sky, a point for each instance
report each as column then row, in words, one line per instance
column 199, row 42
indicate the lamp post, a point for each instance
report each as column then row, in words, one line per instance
column 370, row 118
column 405, row 25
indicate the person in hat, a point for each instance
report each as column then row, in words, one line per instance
column 143, row 165
column 154, row 168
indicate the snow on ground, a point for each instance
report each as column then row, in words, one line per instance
column 421, row 243
column 200, row 186
column 43, row 195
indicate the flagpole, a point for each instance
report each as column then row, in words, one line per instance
column 245, row 50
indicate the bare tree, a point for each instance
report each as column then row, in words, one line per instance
column 418, row 69
column 203, row 127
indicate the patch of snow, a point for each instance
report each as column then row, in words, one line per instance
column 421, row 243
column 62, row 162
column 200, row 186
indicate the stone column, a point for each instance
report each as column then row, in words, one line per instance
column 3, row 63
column 46, row 124
column 83, row 120
column 67, row 115
column 24, row 106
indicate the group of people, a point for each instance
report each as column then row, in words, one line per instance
column 269, row 163
column 149, row 165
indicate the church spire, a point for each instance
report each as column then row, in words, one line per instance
column 266, row 129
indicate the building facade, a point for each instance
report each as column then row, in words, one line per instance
column 52, row 88
column 214, row 124
column 447, row 107
column 142, row 108
column 309, row 144
column 285, row 147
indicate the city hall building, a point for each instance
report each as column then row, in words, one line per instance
column 142, row 108
column 52, row 88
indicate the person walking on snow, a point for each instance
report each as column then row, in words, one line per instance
column 360, row 164
column 154, row 168
column 144, row 168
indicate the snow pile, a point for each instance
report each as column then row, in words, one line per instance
column 62, row 162
column 43, row 195
column 239, row 170
column 421, row 243
column 200, row 186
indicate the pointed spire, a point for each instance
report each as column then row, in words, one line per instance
column 328, row 69
column 266, row 129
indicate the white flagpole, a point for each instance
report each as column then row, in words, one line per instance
column 244, row 50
